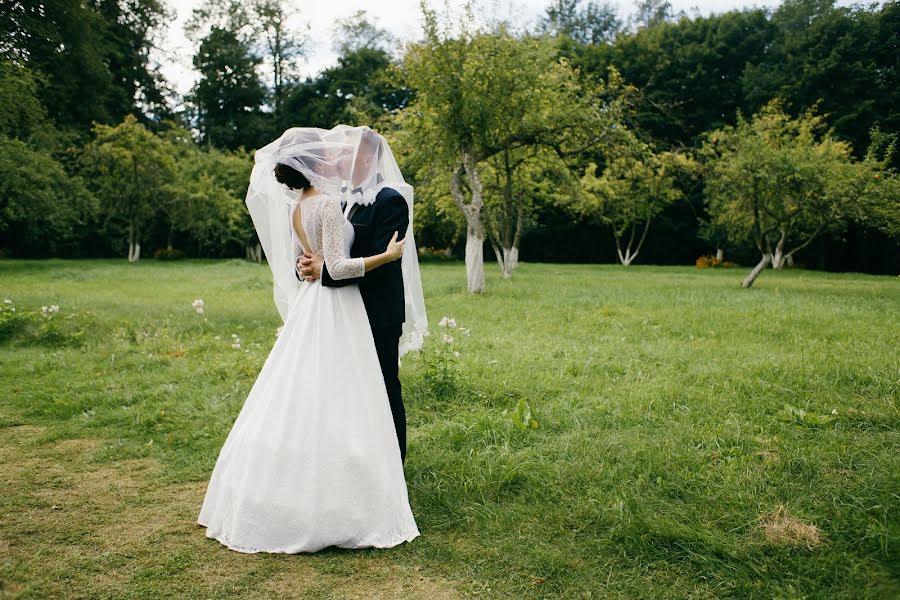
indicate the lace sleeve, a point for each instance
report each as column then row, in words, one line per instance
column 339, row 265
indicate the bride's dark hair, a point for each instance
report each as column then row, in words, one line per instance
column 291, row 177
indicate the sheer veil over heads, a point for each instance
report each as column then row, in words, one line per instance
column 354, row 163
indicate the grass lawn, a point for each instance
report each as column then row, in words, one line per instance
column 692, row 439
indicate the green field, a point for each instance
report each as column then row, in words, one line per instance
column 692, row 439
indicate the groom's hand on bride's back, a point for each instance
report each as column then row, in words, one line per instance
column 310, row 266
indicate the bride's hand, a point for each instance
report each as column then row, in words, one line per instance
column 394, row 248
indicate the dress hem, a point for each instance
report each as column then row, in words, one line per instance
column 222, row 538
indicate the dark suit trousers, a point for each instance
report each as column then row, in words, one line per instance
column 387, row 343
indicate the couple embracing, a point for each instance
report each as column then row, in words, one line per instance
column 315, row 457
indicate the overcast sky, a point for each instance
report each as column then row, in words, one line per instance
column 399, row 17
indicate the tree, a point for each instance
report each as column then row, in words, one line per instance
column 480, row 94
column 635, row 187
column 22, row 115
column 650, row 13
column 93, row 58
column 516, row 183
column 228, row 95
column 206, row 202
column 356, row 32
column 263, row 28
column 41, row 206
column 360, row 89
column 781, row 182
column 593, row 24
column 284, row 45
column 875, row 186
column 843, row 57
column 688, row 74
column 131, row 171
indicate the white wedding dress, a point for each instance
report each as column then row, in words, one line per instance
column 313, row 459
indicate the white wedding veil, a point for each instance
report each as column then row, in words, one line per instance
column 355, row 162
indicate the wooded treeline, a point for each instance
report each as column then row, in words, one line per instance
column 753, row 133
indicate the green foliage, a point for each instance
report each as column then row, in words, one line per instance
column 442, row 379
column 875, row 186
column 485, row 92
column 360, row 89
column 687, row 73
column 634, row 188
column 591, row 24
column 92, row 57
column 45, row 327
column 42, row 207
column 22, row 115
column 235, row 37
column 792, row 414
column 816, row 44
column 229, row 95
column 131, row 170
column 780, row 181
column 521, row 416
column 206, row 196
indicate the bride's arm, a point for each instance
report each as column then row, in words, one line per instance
column 339, row 265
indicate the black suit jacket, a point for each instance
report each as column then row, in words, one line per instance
column 381, row 288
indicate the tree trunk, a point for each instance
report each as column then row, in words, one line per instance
column 507, row 258
column 778, row 257
column 498, row 254
column 134, row 242
column 748, row 281
column 474, row 256
column 517, row 240
column 508, row 262
column 720, row 254
column 474, row 221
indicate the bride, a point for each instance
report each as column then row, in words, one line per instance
column 313, row 459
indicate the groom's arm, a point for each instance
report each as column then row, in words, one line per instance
column 392, row 215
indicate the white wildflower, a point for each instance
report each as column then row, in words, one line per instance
column 448, row 339
column 455, row 354
column 235, row 341
column 198, row 305
column 451, row 323
column 443, row 322
column 7, row 301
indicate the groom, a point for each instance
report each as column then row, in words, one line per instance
column 382, row 288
